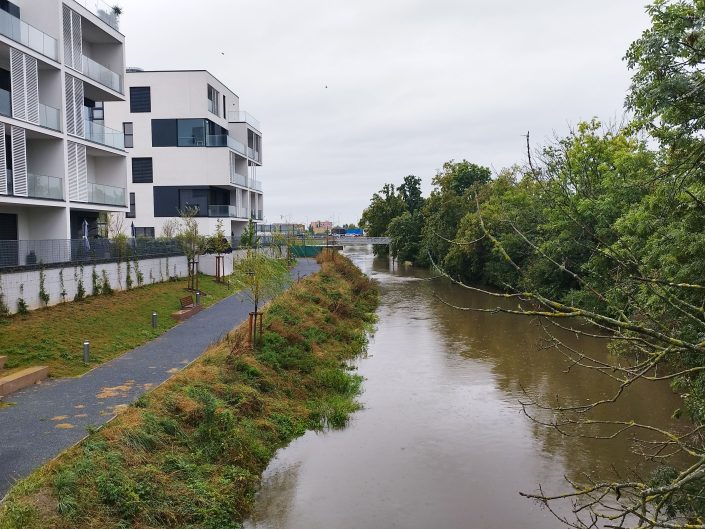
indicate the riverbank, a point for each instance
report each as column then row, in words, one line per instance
column 190, row 453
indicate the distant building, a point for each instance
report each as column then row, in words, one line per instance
column 321, row 227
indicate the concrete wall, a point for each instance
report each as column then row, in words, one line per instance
column 153, row 270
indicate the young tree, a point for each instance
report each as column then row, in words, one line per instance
column 260, row 278
column 192, row 244
column 218, row 244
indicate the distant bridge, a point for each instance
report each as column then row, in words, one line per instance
column 357, row 241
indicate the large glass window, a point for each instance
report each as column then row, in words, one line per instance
column 192, row 132
column 194, row 198
column 164, row 133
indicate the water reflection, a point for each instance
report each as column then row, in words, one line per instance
column 442, row 441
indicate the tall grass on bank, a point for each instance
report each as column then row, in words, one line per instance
column 190, row 453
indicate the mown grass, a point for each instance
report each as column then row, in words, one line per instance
column 191, row 453
column 113, row 324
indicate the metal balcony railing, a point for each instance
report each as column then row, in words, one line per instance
column 49, row 117
column 101, row 74
column 19, row 31
column 240, row 116
column 41, row 186
column 106, row 195
column 106, row 136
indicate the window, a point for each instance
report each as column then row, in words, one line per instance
column 140, row 99
column 142, row 171
column 144, row 232
column 128, row 131
column 194, row 198
column 131, row 214
column 213, row 100
column 192, row 132
column 225, row 109
column 164, row 133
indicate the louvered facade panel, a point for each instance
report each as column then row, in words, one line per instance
column 19, row 162
column 31, row 88
column 3, row 162
column 81, row 173
column 18, row 85
column 73, row 39
column 78, row 106
column 72, row 177
column 74, row 106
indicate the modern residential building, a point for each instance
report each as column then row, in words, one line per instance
column 190, row 146
column 60, row 60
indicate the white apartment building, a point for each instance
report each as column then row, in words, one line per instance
column 60, row 60
column 189, row 145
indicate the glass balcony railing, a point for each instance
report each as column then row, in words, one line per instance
column 5, row 103
column 100, row 134
column 240, row 116
column 49, row 117
column 220, row 140
column 257, row 215
column 238, row 179
column 19, row 31
column 222, row 211
column 40, row 186
column 103, row 11
column 255, row 184
column 107, row 195
column 101, row 74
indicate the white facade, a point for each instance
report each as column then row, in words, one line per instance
column 59, row 164
column 191, row 146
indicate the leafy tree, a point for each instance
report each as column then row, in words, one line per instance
column 218, row 244
column 192, row 243
column 260, row 277
column 384, row 207
column 405, row 234
column 410, row 193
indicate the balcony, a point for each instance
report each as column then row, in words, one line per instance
column 19, row 31
column 232, row 212
column 49, row 117
column 223, row 140
column 101, row 74
column 106, row 136
column 106, row 195
column 49, row 187
column 255, row 184
column 238, row 179
column 103, row 11
column 239, row 116
column 257, row 215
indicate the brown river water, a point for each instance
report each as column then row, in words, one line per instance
column 442, row 441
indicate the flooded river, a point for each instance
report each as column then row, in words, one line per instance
column 442, row 441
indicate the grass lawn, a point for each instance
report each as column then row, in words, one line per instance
column 113, row 324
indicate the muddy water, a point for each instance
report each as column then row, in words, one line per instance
column 442, row 441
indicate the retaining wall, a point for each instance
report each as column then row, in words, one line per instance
column 153, row 271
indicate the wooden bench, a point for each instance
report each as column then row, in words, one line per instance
column 188, row 309
column 187, row 302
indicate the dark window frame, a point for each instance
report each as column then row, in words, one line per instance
column 129, row 136
column 142, row 170
column 132, row 214
column 140, row 99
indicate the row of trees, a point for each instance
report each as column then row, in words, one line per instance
column 604, row 225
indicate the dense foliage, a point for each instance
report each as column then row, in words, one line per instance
column 605, row 219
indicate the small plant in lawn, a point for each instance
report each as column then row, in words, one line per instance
column 95, row 281
column 106, row 288
column 43, row 294
column 138, row 273
column 80, row 289
column 62, row 286
column 21, row 303
column 128, row 274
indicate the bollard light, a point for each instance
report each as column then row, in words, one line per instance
column 154, row 320
column 86, row 352
column 198, row 297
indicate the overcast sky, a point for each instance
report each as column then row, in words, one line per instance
column 410, row 83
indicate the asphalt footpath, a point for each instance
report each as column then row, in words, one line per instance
column 50, row 417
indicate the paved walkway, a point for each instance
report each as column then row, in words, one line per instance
column 51, row 417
